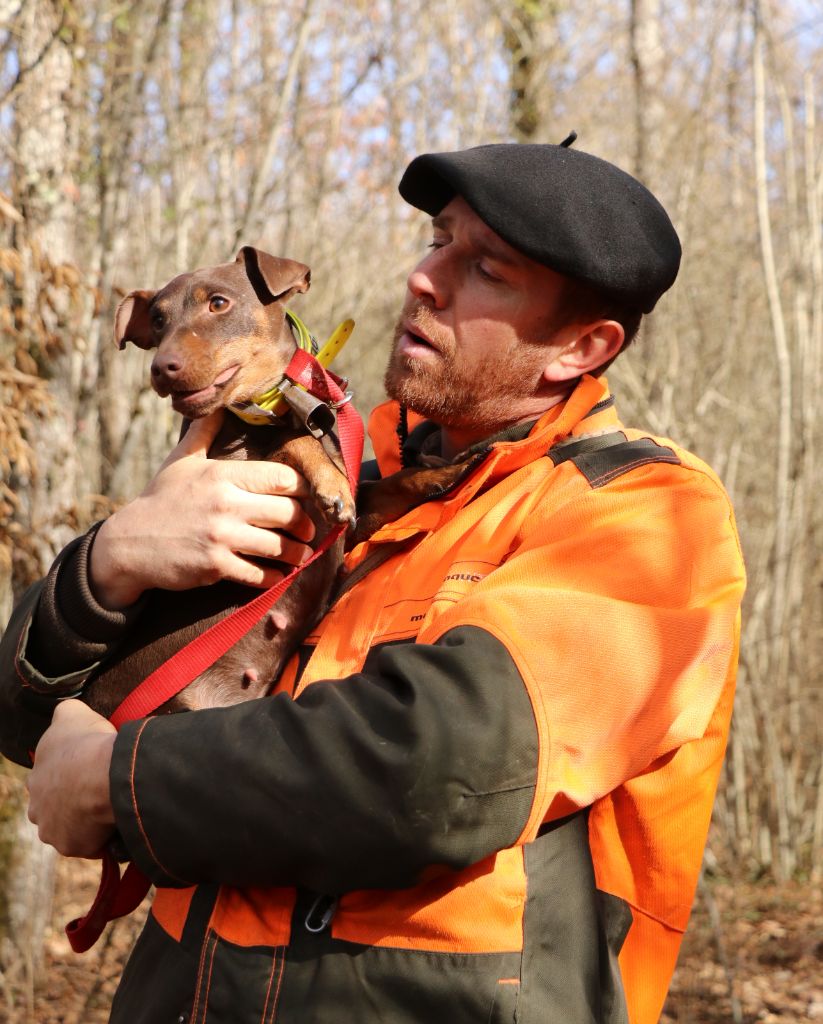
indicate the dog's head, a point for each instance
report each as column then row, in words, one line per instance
column 220, row 332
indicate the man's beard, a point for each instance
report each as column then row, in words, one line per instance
column 479, row 397
column 436, row 389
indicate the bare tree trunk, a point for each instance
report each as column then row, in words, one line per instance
column 133, row 51
column 646, row 53
column 43, row 196
column 647, row 62
column 783, row 454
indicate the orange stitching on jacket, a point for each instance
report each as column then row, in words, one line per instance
column 208, row 980
column 199, row 982
column 268, row 987
column 149, row 847
column 277, row 989
column 395, row 634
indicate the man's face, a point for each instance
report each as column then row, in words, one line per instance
column 476, row 330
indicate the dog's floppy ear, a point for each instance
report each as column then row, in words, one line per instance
column 272, row 277
column 132, row 323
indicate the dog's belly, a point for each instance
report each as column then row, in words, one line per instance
column 248, row 670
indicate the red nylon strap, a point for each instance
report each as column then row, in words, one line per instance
column 115, row 898
column 309, row 374
column 175, row 674
column 118, row 896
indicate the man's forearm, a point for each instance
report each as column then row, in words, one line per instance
column 71, row 631
column 427, row 758
column 55, row 638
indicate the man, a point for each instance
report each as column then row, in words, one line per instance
column 482, row 789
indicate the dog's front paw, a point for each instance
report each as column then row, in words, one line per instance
column 337, row 507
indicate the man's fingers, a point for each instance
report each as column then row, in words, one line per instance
column 266, row 478
column 200, row 520
column 267, row 544
column 253, row 575
column 273, row 512
column 74, row 714
column 69, row 798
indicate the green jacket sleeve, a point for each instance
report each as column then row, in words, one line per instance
column 426, row 757
column 56, row 637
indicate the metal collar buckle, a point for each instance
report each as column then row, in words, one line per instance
column 349, row 395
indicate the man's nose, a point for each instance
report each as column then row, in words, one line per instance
column 428, row 282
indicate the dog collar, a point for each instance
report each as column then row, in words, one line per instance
column 270, row 405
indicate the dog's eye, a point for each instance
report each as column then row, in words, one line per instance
column 158, row 321
column 217, row 303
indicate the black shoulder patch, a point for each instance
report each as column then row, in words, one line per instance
column 603, row 458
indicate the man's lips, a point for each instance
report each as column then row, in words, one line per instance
column 413, row 341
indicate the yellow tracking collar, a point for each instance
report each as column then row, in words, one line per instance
column 270, row 404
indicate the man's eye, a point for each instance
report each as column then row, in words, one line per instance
column 217, row 303
column 489, row 276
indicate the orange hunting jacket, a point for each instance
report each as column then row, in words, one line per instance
column 482, row 790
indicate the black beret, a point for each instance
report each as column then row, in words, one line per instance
column 566, row 209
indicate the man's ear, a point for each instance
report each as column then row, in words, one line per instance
column 584, row 349
column 273, row 278
column 132, row 323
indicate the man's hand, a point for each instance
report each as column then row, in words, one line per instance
column 201, row 520
column 69, row 796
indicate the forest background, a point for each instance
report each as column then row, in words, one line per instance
column 138, row 140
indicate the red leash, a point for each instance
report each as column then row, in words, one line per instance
column 118, row 896
column 115, row 898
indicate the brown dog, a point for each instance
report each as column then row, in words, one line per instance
column 222, row 338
